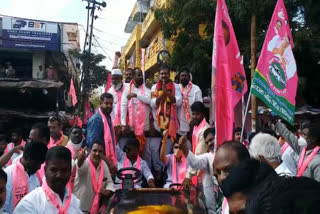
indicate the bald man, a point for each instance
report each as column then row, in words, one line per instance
column 227, row 156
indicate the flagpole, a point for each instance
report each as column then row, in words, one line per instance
column 253, row 64
column 245, row 116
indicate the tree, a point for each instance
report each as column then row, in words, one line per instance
column 180, row 22
column 94, row 74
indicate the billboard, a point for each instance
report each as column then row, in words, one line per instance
column 29, row 34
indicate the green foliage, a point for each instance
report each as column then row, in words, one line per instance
column 181, row 21
column 95, row 75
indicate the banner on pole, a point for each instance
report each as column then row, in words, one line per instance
column 228, row 75
column 275, row 80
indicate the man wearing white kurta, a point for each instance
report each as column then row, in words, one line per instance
column 191, row 93
column 204, row 162
column 53, row 195
column 135, row 111
column 22, row 176
column 116, row 90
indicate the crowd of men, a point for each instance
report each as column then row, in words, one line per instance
column 162, row 132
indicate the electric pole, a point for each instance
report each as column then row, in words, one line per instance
column 92, row 5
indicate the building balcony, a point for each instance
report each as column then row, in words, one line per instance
column 139, row 12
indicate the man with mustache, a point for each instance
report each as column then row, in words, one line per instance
column 93, row 182
column 53, row 196
column 57, row 138
column 23, row 176
column 190, row 94
column 101, row 129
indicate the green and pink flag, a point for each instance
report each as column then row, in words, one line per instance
column 275, row 81
column 228, row 75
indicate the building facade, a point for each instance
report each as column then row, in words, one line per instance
column 145, row 34
column 36, row 65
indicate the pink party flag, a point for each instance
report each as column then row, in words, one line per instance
column 108, row 84
column 275, row 80
column 72, row 92
column 87, row 111
column 228, row 75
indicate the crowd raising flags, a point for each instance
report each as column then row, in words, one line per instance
column 230, row 81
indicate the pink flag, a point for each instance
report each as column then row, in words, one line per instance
column 108, row 84
column 87, row 111
column 228, row 75
column 72, row 92
column 275, row 80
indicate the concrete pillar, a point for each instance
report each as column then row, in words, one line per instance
column 138, row 52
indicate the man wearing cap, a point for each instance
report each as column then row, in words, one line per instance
column 116, row 90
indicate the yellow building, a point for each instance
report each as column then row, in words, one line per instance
column 145, row 34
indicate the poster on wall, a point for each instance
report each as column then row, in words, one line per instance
column 29, row 34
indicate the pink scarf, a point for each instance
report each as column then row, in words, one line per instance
column 96, row 185
column 10, row 146
column 302, row 165
column 136, row 119
column 117, row 120
column 185, row 99
column 284, row 147
column 110, row 149
column 52, row 143
column 195, row 134
column 224, row 206
column 52, row 198
column 20, row 184
column 127, row 164
column 74, row 170
column 182, row 170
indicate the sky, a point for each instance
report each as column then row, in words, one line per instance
column 108, row 28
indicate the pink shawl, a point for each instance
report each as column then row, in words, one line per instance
column 96, row 185
column 182, row 170
column 52, row 198
column 302, row 165
column 110, row 149
column 136, row 119
column 196, row 133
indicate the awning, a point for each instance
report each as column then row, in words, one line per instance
column 19, row 83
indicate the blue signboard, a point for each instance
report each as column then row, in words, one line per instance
column 29, row 34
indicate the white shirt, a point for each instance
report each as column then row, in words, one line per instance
column 83, row 185
column 153, row 104
column 14, row 155
column 33, row 183
column 36, row 202
column 145, row 171
column 194, row 95
column 283, row 170
column 76, row 147
column 17, row 158
column 291, row 158
column 146, row 99
column 115, row 102
column 204, row 162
